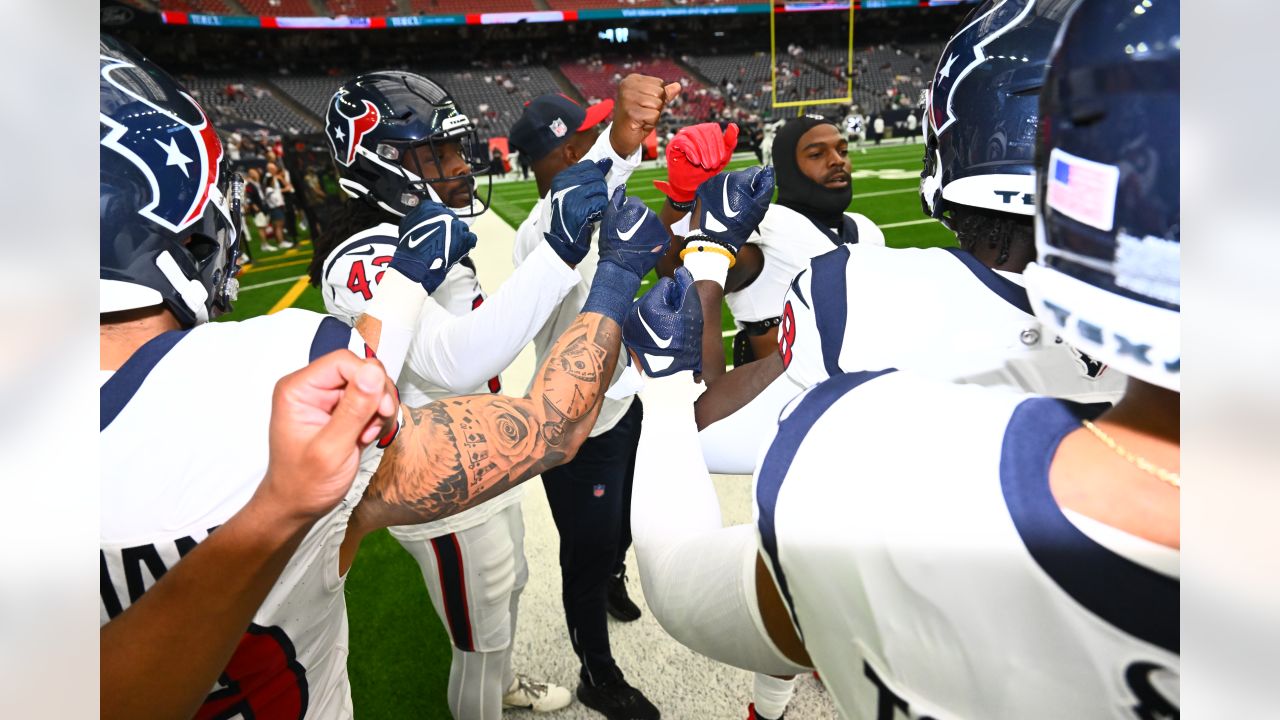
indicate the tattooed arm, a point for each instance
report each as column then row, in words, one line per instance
column 456, row 453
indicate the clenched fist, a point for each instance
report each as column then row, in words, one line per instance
column 640, row 101
column 322, row 416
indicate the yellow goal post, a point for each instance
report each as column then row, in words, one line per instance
column 774, row 6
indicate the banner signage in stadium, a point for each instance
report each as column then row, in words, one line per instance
column 317, row 22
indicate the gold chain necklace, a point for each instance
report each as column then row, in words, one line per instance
column 1143, row 464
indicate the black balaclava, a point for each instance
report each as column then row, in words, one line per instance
column 795, row 189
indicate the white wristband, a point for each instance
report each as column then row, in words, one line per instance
column 396, row 303
column 713, row 266
column 397, row 300
column 628, row 382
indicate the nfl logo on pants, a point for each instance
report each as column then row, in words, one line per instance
column 598, row 490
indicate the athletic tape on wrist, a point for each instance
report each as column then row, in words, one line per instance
column 397, row 300
column 710, row 265
column 396, row 303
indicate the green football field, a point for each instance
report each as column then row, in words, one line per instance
column 399, row 661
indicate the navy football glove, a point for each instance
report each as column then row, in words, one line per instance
column 432, row 240
column 577, row 200
column 733, row 204
column 664, row 327
column 631, row 237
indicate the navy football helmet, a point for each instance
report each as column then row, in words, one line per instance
column 375, row 124
column 168, row 209
column 980, row 110
column 1107, row 179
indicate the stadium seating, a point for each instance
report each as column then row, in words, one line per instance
column 597, row 80
column 247, row 103
column 576, row 4
column 883, row 73
column 480, row 93
column 212, row 7
column 451, row 7
column 278, row 7
column 362, row 8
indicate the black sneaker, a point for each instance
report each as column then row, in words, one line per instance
column 619, row 603
column 616, row 700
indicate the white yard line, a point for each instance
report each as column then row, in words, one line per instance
column 878, row 193
column 282, row 281
column 906, row 223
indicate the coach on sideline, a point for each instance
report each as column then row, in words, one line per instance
column 590, row 496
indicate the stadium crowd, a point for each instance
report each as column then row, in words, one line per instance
column 961, row 457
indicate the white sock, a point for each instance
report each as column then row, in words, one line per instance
column 771, row 695
column 475, row 684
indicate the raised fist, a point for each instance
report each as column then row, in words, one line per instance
column 731, row 205
column 664, row 327
column 696, row 153
column 637, row 109
column 577, row 200
column 631, row 237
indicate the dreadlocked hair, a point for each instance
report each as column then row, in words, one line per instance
column 353, row 216
column 999, row 231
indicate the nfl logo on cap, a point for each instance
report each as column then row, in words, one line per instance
column 558, row 128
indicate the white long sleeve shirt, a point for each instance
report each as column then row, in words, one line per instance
column 529, row 237
column 464, row 338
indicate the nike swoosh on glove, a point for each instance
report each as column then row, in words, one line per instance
column 695, row 154
column 664, row 327
column 733, row 204
column 432, row 240
column 631, row 236
column 576, row 201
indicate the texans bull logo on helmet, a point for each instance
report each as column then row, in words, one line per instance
column 965, row 52
column 180, row 157
column 348, row 125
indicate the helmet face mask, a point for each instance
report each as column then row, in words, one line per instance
column 169, row 215
column 390, row 133
column 435, row 161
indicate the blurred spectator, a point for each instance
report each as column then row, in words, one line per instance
column 274, row 183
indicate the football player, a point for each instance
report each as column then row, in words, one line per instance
column 589, row 496
column 168, row 248
column 398, row 141
column 322, row 416
column 959, row 314
column 1022, row 559
column 811, row 164
column 473, row 563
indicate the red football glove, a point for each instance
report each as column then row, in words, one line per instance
column 695, row 154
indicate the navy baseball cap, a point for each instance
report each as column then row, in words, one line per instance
column 549, row 120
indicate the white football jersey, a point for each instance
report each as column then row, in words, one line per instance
column 788, row 240
column 351, row 275
column 942, row 579
column 935, row 311
column 184, row 446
